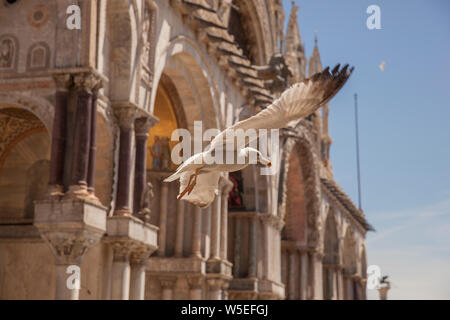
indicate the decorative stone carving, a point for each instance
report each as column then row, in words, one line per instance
column 69, row 247
column 38, row 57
column 126, row 116
column 276, row 73
column 88, row 82
column 143, row 125
column 147, row 197
column 38, row 106
column 8, row 53
column 38, row 16
column 14, row 123
column 140, row 254
column 63, row 81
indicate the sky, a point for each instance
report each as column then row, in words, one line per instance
column 404, row 121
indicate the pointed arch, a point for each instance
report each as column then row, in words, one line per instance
column 302, row 147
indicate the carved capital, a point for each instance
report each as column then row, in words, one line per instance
column 87, row 81
column 70, row 247
column 126, row 116
column 195, row 282
column 140, row 254
column 142, row 125
column 63, row 81
column 121, row 250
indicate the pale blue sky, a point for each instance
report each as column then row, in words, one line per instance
column 404, row 117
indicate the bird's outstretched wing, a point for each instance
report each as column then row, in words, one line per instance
column 299, row 101
column 205, row 190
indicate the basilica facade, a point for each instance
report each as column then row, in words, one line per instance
column 86, row 118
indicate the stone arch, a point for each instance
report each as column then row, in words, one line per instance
column 302, row 148
column 38, row 106
column 255, row 21
column 24, row 163
column 184, row 64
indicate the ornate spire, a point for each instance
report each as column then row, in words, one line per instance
column 293, row 38
column 315, row 63
column 294, row 50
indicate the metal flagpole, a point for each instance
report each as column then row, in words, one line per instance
column 357, row 152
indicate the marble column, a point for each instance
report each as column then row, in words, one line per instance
column 293, row 270
column 163, row 219
column 339, row 282
column 120, row 277
column 179, row 237
column 56, row 179
column 225, row 285
column 349, row 291
column 331, row 282
column 197, row 233
column 317, row 275
column 364, row 288
column 383, row 291
column 62, row 292
column 335, row 283
column 266, row 245
column 142, row 127
column 126, row 117
column 237, row 246
column 84, row 84
column 138, row 260
column 252, row 247
column 224, row 220
column 167, row 286
column 92, row 142
column 358, row 288
column 214, row 289
column 195, row 288
column 215, row 228
column 304, row 275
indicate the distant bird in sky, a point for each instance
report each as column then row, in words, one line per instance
column 382, row 66
column 299, row 101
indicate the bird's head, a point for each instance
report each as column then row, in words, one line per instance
column 263, row 161
column 260, row 159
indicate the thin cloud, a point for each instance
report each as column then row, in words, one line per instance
column 414, row 252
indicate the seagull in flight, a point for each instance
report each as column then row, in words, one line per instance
column 199, row 181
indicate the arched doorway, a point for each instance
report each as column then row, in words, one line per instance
column 24, row 164
column 167, row 110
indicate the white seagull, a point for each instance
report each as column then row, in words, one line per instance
column 199, row 181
